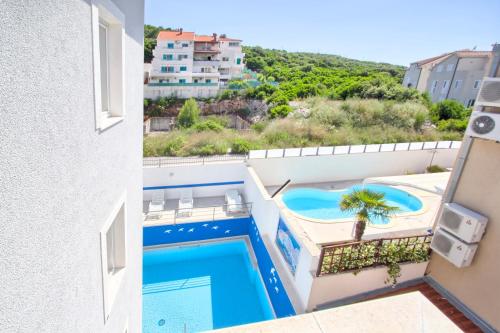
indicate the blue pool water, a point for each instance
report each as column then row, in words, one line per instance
column 324, row 205
column 201, row 287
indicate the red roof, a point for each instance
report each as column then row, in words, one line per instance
column 204, row 38
column 175, row 35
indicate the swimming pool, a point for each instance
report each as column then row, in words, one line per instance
column 201, row 287
column 324, row 205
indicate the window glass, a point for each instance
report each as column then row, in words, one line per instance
column 103, row 54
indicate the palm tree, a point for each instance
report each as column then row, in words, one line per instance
column 366, row 204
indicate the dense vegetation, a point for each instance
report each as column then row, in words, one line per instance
column 315, row 121
column 336, row 101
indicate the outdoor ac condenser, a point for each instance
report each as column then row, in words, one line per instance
column 484, row 125
column 489, row 93
column 463, row 223
column 453, row 249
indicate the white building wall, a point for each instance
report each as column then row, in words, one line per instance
column 59, row 177
column 312, row 169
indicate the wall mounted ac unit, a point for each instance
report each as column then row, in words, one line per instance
column 462, row 222
column 453, row 249
column 484, row 125
column 489, row 93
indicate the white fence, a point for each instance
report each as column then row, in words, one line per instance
column 353, row 149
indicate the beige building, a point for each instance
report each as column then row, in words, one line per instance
column 455, row 75
column 475, row 184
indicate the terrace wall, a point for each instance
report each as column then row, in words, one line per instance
column 357, row 164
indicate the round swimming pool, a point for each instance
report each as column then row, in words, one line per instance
column 324, row 205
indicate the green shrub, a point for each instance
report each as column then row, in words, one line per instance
column 209, row 149
column 280, row 111
column 260, row 126
column 458, row 125
column 241, row 146
column 208, row 125
column 189, row 114
column 435, row 169
column 448, row 109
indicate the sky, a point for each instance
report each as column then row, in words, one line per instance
column 392, row 31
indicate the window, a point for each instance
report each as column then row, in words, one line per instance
column 183, row 68
column 234, row 44
column 182, row 56
column 477, row 83
column 225, row 58
column 113, row 254
column 439, row 68
column 471, row 102
column 168, row 57
column 445, row 86
column 434, row 86
column 182, row 81
column 163, row 69
column 107, row 44
column 238, row 61
column 170, row 69
column 185, row 45
column 195, row 81
column 449, row 68
column 208, row 81
column 458, row 84
column 170, row 45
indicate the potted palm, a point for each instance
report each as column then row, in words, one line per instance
column 366, row 204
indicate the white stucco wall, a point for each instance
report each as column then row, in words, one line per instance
column 334, row 287
column 59, row 177
column 311, row 169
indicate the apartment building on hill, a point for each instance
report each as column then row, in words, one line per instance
column 456, row 75
column 189, row 65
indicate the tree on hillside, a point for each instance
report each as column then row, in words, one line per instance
column 189, row 114
column 150, row 34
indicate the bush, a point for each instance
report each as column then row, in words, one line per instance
column 208, row 125
column 452, row 125
column 241, row 146
column 448, row 109
column 259, row 127
column 435, row 169
column 189, row 114
column 280, row 111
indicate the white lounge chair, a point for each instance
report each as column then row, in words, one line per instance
column 185, row 203
column 157, row 202
column 234, row 202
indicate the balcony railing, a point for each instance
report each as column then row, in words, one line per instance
column 187, row 84
column 210, row 49
column 354, row 256
column 158, row 162
column 199, row 214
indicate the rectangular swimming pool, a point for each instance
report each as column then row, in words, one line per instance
column 200, row 287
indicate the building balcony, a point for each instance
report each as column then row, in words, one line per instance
column 187, row 84
column 206, row 63
column 206, row 49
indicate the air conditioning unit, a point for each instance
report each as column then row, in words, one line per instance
column 489, row 93
column 463, row 223
column 453, row 249
column 484, row 125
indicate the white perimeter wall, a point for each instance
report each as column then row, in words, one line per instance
column 333, row 287
column 59, row 177
column 327, row 168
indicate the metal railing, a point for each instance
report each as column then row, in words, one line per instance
column 158, row 162
column 354, row 256
column 205, row 214
column 353, row 149
column 302, row 152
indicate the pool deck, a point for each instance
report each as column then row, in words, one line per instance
column 315, row 233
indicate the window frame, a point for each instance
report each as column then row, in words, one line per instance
column 477, row 84
column 104, row 13
column 112, row 281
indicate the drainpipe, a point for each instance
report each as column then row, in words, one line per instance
column 452, row 78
